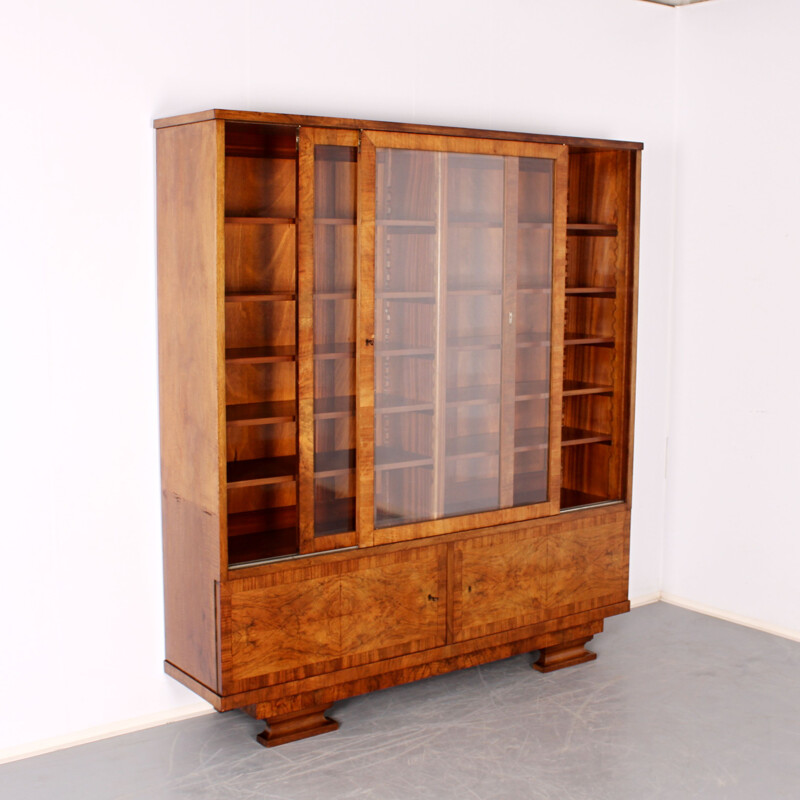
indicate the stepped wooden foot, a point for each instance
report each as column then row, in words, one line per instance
column 299, row 725
column 564, row 655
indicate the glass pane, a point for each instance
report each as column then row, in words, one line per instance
column 532, row 367
column 334, row 338
column 462, row 328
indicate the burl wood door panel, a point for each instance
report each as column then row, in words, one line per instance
column 284, row 626
column 395, row 604
column 499, row 583
column 315, row 619
column 588, row 564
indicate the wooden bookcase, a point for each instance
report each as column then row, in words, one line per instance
column 396, row 370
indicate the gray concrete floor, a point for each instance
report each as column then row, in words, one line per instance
column 677, row 705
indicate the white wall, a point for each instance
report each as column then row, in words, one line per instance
column 733, row 540
column 80, row 534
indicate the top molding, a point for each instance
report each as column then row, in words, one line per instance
column 297, row 120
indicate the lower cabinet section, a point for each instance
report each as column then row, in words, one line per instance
column 297, row 636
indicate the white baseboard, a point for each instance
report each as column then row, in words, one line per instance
column 645, row 599
column 43, row 746
column 728, row 616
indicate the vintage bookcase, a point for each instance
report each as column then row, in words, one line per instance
column 396, row 386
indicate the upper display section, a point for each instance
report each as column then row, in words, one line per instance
column 407, row 331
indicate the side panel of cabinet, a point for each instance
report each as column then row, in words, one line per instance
column 588, row 564
column 189, row 317
column 500, row 582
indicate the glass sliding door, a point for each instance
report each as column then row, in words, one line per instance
column 464, row 253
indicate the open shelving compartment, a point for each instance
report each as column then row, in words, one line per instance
column 260, row 342
column 597, row 335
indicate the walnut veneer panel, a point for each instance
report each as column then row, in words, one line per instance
column 189, row 247
column 306, row 621
column 395, row 604
column 500, row 582
column 588, row 564
column 285, row 626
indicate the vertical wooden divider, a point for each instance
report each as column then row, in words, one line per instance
column 560, row 180
column 365, row 343
column 440, row 351
column 509, row 330
column 305, row 339
column 632, row 288
column 222, row 428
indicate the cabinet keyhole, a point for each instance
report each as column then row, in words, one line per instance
column 432, row 598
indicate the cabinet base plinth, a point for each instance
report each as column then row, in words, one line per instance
column 299, row 725
column 564, row 655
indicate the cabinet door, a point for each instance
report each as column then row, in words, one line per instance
column 588, row 562
column 317, row 619
column 289, row 621
column 500, row 583
column 394, row 604
column 460, row 351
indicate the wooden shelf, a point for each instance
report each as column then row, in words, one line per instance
column 334, row 407
column 533, row 339
column 261, row 413
column 575, row 388
column 425, row 297
column 388, row 458
column 532, row 390
column 590, row 291
column 264, row 520
column 334, row 516
column 475, row 223
column 334, row 350
column 576, row 436
column 406, row 223
column 591, row 229
column 474, row 343
column 401, row 349
column 262, row 471
column 474, row 446
column 334, row 462
column 473, row 395
column 346, row 295
column 259, row 297
column 533, row 290
column 527, row 439
column 259, row 220
column 474, row 291
column 586, row 338
column 533, row 224
column 334, row 221
column 252, row 548
column 260, row 355
column 571, row 498
column 396, row 404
